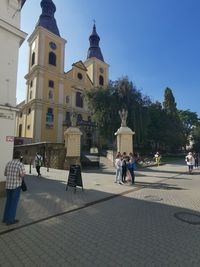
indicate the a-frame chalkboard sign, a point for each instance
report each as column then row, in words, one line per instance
column 74, row 177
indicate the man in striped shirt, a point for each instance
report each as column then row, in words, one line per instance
column 14, row 172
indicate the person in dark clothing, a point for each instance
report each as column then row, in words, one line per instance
column 196, row 160
column 124, row 167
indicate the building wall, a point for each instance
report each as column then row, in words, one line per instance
column 11, row 38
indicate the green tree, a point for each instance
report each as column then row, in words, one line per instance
column 174, row 138
column 169, row 103
column 189, row 119
column 196, row 137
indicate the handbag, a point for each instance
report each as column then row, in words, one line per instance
column 23, row 186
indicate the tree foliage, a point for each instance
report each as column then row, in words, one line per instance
column 156, row 127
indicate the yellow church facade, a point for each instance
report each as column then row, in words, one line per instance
column 52, row 94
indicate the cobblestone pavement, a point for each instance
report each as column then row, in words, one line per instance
column 154, row 223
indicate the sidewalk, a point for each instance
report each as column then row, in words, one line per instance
column 47, row 195
column 107, row 224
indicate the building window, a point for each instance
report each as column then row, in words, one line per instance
column 30, row 96
column 79, row 100
column 33, row 59
column 28, row 127
column 20, row 130
column 49, row 118
column 52, row 59
column 67, row 116
column 51, row 83
column 31, row 84
column 80, row 76
column 101, row 80
column 29, row 110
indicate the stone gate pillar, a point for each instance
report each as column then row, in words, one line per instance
column 73, row 146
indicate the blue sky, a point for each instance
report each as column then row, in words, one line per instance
column 156, row 43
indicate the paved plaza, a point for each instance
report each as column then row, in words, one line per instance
column 153, row 223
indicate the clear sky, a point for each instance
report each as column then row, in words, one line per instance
column 156, row 43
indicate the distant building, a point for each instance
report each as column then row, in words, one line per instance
column 53, row 94
column 11, row 38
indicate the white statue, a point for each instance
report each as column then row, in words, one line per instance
column 73, row 119
column 123, row 115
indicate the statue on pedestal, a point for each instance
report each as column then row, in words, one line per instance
column 123, row 115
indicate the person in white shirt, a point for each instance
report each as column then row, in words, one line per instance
column 190, row 162
column 118, row 166
column 38, row 163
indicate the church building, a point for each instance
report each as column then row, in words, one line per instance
column 52, row 94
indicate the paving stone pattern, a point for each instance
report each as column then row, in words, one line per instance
column 137, row 227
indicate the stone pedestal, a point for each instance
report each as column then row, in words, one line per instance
column 124, row 140
column 73, row 146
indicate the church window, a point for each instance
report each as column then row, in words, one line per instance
column 49, row 118
column 79, row 100
column 52, row 59
column 28, row 127
column 29, row 110
column 31, row 84
column 67, row 116
column 51, row 83
column 101, row 80
column 20, row 130
column 80, row 76
column 33, row 59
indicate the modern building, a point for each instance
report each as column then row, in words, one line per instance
column 53, row 94
column 11, row 38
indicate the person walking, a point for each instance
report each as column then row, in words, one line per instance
column 14, row 172
column 118, row 166
column 157, row 157
column 38, row 163
column 131, row 168
column 196, row 160
column 190, row 162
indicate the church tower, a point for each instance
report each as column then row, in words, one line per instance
column 43, row 105
column 97, row 68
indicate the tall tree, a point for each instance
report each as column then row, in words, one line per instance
column 169, row 103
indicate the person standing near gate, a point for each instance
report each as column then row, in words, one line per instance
column 14, row 172
column 38, row 163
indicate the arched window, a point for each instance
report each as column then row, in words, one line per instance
column 79, row 100
column 101, row 80
column 52, row 58
column 33, row 59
